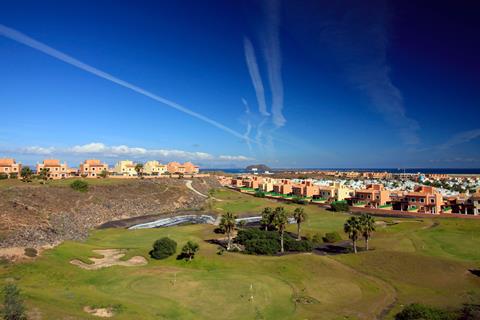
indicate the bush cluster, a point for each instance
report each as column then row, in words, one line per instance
column 331, row 237
column 261, row 242
column 339, row 206
column 416, row 311
column 163, row 248
column 79, row 185
column 3, row 176
column 31, row 252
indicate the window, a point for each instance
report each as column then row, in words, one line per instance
column 377, row 197
column 422, row 200
column 412, row 200
column 6, row 169
column 368, row 196
column 93, row 169
column 432, row 200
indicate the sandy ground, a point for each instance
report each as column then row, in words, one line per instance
column 18, row 253
column 99, row 312
column 111, row 257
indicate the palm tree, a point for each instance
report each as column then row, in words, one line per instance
column 43, row 174
column 280, row 220
column 26, row 174
column 367, row 224
column 228, row 225
column 189, row 250
column 139, row 169
column 353, row 229
column 300, row 216
column 267, row 218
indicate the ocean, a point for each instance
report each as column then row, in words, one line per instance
column 390, row 170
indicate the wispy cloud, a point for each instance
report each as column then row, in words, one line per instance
column 99, row 149
column 359, row 39
column 255, row 76
column 460, row 138
column 28, row 41
column 273, row 59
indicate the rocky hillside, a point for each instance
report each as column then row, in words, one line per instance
column 32, row 215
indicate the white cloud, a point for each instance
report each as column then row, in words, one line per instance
column 461, row 137
column 234, row 158
column 255, row 76
column 99, row 149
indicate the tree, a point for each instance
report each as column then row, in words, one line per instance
column 280, row 220
column 367, row 224
column 13, row 304
column 163, row 248
column 103, row 174
column 26, row 174
column 267, row 218
column 339, row 206
column 189, row 250
column 300, row 216
column 139, row 169
column 353, row 229
column 43, row 174
column 227, row 223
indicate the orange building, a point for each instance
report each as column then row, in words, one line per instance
column 283, row 187
column 9, row 166
column 56, row 170
column 374, row 196
column 92, row 168
column 423, row 199
column 305, row 189
column 186, row 168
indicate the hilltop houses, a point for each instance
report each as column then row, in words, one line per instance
column 154, row 168
column 55, row 169
column 125, row 168
column 92, row 168
column 186, row 168
column 10, row 167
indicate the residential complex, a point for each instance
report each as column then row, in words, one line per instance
column 92, row 168
column 186, row 168
column 420, row 198
column 54, row 169
column 10, row 167
column 154, row 168
column 125, row 168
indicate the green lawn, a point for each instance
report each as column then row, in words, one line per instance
column 412, row 260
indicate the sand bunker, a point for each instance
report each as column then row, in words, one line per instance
column 111, row 257
column 99, row 312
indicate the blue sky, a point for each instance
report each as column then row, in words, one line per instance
column 286, row 83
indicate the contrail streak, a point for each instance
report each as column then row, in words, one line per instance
column 26, row 40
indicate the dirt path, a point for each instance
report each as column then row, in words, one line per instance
column 188, row 183
column 111, row 257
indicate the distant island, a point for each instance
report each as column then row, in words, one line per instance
column 258, row 167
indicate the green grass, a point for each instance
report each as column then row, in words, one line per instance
column 412, row 260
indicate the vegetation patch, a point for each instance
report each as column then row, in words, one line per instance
column 163, row 248
column 79, row 185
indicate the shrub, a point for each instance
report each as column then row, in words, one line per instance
column 163, row 248
column 79, row 185
column 298, row 200
column 299, row 246
column 3, row 176
column 14, row 175
column 31, row 252
column 339, row 206
column 331, row 237
column 317, row 238
column 13, row 308
column 416, row 311
column 262, row 246
column 260, row 194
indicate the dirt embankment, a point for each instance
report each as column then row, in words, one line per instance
column 34, row 215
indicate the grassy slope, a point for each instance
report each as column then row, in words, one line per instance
column 412, row 261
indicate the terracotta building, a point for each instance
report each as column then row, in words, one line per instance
column 423, row 199
column 92, row 168
column 9, row 166
column 374, row 195
column 56, row 170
